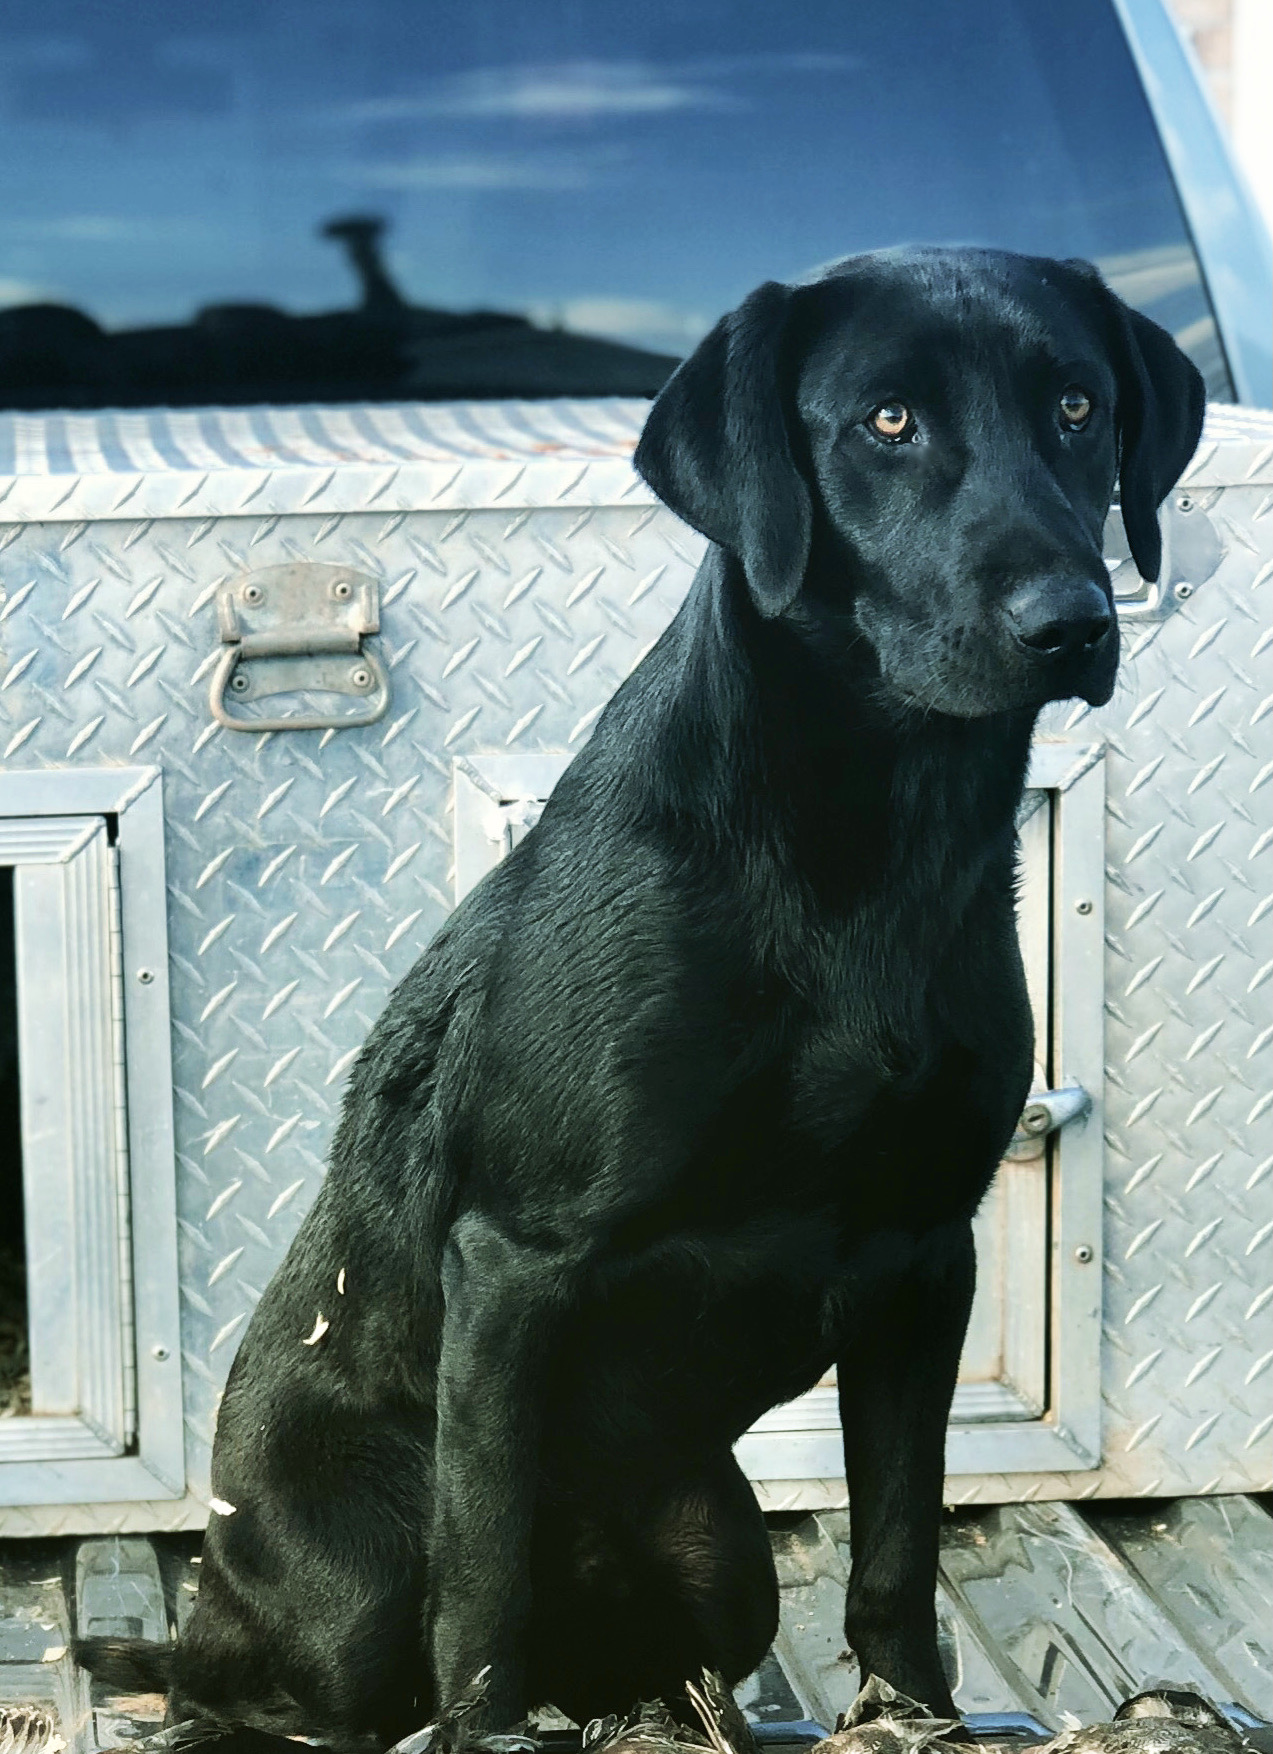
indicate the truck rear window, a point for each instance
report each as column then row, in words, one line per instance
column 306, row 200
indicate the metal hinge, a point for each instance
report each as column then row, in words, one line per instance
column 1192, row 550
column 1046, row 1112
column 299, row 628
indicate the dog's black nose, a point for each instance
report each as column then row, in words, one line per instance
column 1060, row 618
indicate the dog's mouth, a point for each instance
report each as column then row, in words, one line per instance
column 1037, row 647
column 922, row 676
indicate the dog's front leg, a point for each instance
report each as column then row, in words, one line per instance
column 897, row 1379
column 500, row 1299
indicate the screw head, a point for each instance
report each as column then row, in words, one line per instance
column 1083, row 906
column 1083, row 1253
column 146, row 976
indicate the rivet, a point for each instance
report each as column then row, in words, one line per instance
column 253, row 594
column 360, row 678
column 239, row 682
column 1184, row 503
column 1083, row 1253
column 1183, row 593
column 145, row 976
column 1083, row 907
column 342, row 588
column 159, row 1353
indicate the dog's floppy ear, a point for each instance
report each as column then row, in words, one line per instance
column 1161, row 402
column 716, row 449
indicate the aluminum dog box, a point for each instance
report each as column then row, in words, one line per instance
column 207, row 917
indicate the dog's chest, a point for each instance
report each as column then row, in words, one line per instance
column 699, row 1331
column 905, row 1071
column 909, row 1148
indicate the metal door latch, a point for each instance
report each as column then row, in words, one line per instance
column 299, row 627
column 1046, row 1112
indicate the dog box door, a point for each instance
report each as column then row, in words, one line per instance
column 1028, row 1395
column 91, row 1380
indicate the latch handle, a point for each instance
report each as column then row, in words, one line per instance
column 1046, row 1112
column 1049, row 1110
column 299, row 627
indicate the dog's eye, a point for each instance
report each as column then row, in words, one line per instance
column 893, row 421
column 1076, row 408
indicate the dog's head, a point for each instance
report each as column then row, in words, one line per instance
column 920, row 449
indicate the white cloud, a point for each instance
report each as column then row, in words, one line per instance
column 749, row 66
column 103, row 228
column 23, row 292
column 1142, row 276
column 476, row 171
column 567, row 91
column 95, row 228
column 648, row 321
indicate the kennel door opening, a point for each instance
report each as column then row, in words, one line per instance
column 1003, row 1371
column 71, row 1217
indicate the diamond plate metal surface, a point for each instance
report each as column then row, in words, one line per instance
column 1055, row 1600
column 1189, row 862
column 227, row 462
column 307, row 870
column 1208, row 1563
column 1058, row 1610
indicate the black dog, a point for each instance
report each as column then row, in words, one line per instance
column 697, row 1093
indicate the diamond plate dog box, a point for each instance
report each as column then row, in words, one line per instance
column 278, row 686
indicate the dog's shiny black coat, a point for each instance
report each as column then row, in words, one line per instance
column 695, row 1096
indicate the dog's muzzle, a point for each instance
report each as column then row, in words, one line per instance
column 1067, row 631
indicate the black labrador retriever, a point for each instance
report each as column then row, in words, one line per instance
column 697, row 1093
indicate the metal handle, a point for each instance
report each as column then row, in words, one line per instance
column 298, row 628
column 1047, row 1112
column 368, row 665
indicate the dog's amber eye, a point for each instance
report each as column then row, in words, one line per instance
column 1076, row 407
column 891, row 420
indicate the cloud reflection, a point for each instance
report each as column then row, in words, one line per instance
column 585, row 91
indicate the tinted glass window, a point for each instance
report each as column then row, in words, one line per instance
column 573, row 190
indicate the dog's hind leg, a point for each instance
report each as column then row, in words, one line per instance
column 307, row 1620
column 632, row 1604
column 710, row 1550
column 897, row 1380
